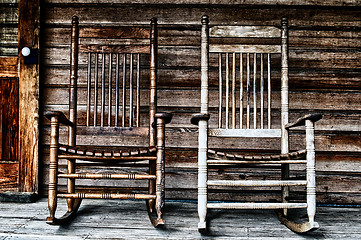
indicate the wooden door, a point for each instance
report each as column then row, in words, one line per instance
column 9, row 123
column 19, row 106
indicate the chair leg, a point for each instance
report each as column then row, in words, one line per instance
column 151, row 187
column 311, row 225
column 202, row 200
column 202, row 176
column 53, row 168
column 70, row 185
column 311, row 173
column 160, row 165
column 73, row 205
column 285, row 172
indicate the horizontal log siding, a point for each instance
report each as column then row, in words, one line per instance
column 9, row 28
column 325, row 77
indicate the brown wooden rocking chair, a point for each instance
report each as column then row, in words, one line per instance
column 245, row 59
column 110, row 99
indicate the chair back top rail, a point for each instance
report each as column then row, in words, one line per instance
column 245, row 31
column 231, row 48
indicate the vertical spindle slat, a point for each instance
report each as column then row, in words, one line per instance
column 227, row 90
column 110, row 90
column 131, row 91
column 138, row 90
column 248, row 90
column 220, row 91
column 116, row 90
column 88, row 90
column 103, row 92
column 241, row 90
column 254, row 90
column 96, row 90
column 269, row 89
column 124, row 90
column 234, row 90
column 261, row 90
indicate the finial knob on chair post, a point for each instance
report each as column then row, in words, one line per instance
column 75, row 20
column 205, row 19
column 153, row 21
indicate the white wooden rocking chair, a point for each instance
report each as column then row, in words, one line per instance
column 245, row 101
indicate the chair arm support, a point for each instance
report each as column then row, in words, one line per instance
column 161, row 119
column 60, row 116
column 199, row 116
column 314, row 117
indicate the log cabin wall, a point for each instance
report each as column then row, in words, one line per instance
column 9, row 28
column 325, row 77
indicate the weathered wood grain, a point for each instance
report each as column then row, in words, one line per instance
column 103, row 219
column 189, row 57
column 9, row 119
column 220, row 14
column 9, row 176
column 8, row 30
column 179, row 35
column 225, row 2
column 9, row 67
column 29, row 27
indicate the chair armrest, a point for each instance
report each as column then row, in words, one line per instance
column 166, row 116
column 314, row 117
column 60, row 116
column 199, row 116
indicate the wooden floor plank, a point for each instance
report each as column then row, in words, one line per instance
column 112, row 219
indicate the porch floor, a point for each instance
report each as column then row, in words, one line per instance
column 111, row 219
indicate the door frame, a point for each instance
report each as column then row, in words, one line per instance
column 29, row 36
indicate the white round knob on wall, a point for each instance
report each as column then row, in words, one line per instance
column 25, row 51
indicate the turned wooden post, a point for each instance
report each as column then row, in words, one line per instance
column 73, row 104
column 153, row 100
column 53, row 166
column 203, row 128
column 160, row 163
column 310, row 168
column 153, row 78
column 284, row 104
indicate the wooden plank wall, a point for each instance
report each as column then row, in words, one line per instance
column 325, row 76
column 9, row 28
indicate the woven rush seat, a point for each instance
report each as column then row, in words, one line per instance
column 95, row 152
column 212, row 154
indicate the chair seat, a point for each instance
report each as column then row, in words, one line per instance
column 219, row 157
column 106, row 152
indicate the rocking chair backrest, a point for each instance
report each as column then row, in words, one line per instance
column 115, row 79
column 243, row 57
